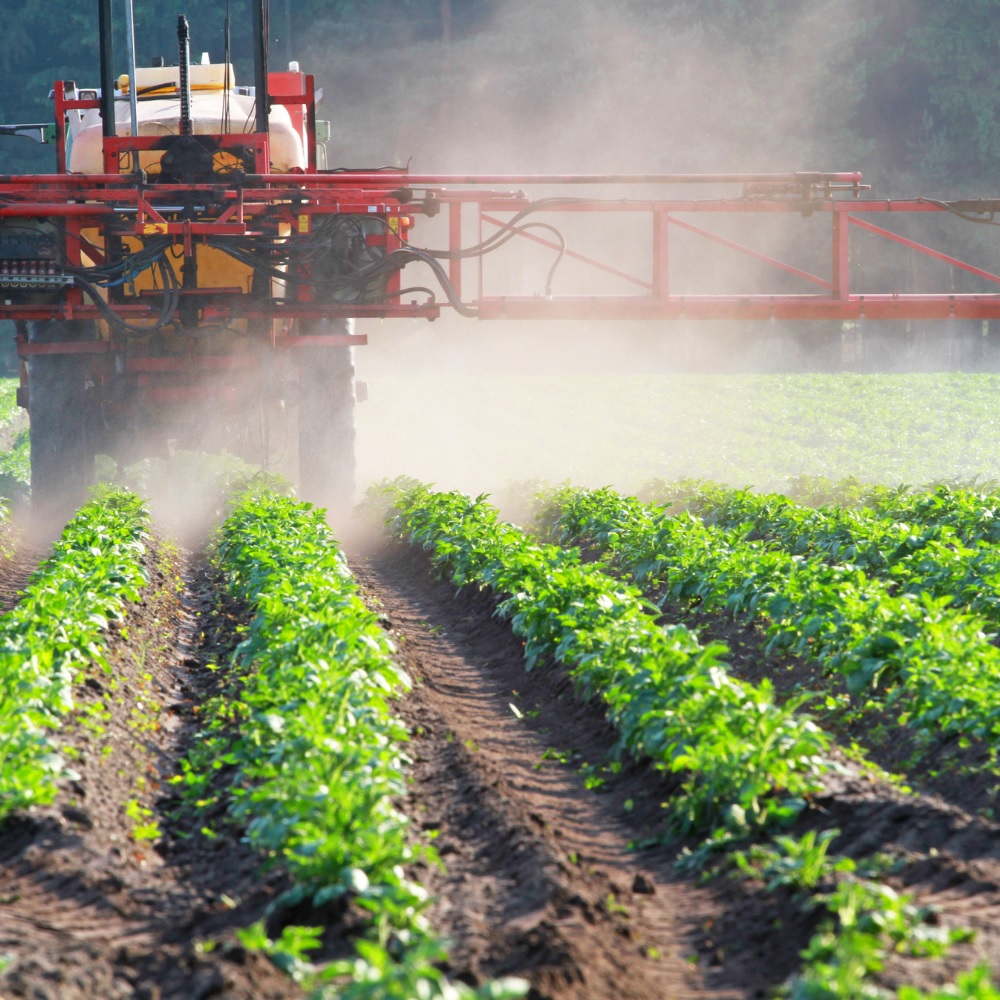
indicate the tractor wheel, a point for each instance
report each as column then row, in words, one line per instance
column 60, row 426
column 326, row 419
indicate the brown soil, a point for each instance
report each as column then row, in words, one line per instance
column 962, row 772
column 540, row 880
column 16, row 571
column 543, row 876
column 89, row 909
column 502, row 762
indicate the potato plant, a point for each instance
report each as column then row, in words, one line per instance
column 744, row 761
column 315, row 753
column 867, row 919
column 55, row 631
column 946, row 548
column 936, row 663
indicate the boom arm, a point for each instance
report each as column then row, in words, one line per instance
column 282, row 219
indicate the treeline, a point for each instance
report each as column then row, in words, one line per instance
column 905, row 90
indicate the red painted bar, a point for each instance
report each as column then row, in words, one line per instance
column 743, row 308
column 926, row 250
column 841, row 256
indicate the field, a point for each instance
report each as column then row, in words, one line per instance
column 667, row 737
column 482, row 431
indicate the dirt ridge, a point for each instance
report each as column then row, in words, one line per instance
column 717, row 939
column 91, row 910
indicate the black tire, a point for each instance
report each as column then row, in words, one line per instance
column 326, row 433
column 60, row 425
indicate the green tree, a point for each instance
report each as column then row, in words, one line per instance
column 957, row 46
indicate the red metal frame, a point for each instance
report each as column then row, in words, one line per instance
column 296, row 92
column 476, row 205
column 91, row 201
column 88, row 201
column 835, row 300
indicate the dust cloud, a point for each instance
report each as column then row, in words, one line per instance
column 581, row 87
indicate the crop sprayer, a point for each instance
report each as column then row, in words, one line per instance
column 188, row 273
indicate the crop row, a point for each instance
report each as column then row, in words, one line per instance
column 940, row 543
column 968, row 514
column 866, row 921
column 315, row 755
column 744, row 761
column 55, row 630
column 947, row 670
column 674, row 703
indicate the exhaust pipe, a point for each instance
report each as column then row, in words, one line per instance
column 107, row 70
column 132, row 86
column 184, row 62
column 260, row 60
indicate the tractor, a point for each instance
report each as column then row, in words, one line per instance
column 188, row 274
column 180, row 281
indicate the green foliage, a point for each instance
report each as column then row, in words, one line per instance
column 15, row 461
column 745, row 761
column 798, row 863
column 973, row 985
column 144, row 826
column 376, row 974
column 316, row 756
column 8, row 400
column 868, row 596
column 313, row 751
column 56, row 630
column 869, row 920
column 15, row 464
column 955, row 45
column 290, row 952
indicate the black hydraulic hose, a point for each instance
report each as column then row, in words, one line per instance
column 423, row 289
column 359, row 279
column 983, row 207
column 506, row 232
column 171, row 297
column 126, row 268
column 462, row 308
